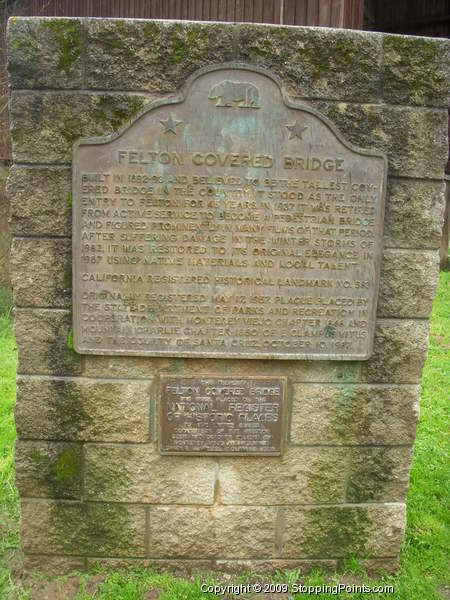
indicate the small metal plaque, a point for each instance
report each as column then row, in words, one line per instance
column 222, row 415
column 229, row 222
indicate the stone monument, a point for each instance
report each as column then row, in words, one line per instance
column 225, row 256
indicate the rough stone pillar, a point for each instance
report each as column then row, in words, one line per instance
column 5, row 237
column 93, row 485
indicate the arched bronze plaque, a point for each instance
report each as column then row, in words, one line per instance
column 228, row 222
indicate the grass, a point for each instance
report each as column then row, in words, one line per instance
column 423, row 573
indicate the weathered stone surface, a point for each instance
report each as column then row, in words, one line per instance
column 354, row 414
column 353, row 423
column 141, row 368
column 414, row 214
column 119, row 56
column 379, row 474
column 315, row 62
column 43, row 339
column 45, row 125
column 83, row 410
column 377, row 566
column 152, row 55
column 343, row 531
column 45, row 53
column 184, row 532
column 41, row 201
column 408, row 283
column 127, row 473
column 253, row 527
column 53, row 565
column 42, row 272
column 273, row 566
column 300, row 476
column 400, row 350
column 186, row 566
column 416, row 70
column 414, row 139
column 181, row 567
column 77, row 528
column 48, row 469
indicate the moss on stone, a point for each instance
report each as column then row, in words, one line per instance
column 35, row 456
column 70, row 413
column 70, row 340
column 98, row 529
column 176, row 365
column 369, row 473
column 332, row 531
column 323, row 477
column 114, row 111
column 178, row 48
column 106, row 472
column 67, row 467
column 67, row 279
column 68, row 34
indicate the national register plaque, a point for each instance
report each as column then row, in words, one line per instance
column 221, row 415
column 227, row 221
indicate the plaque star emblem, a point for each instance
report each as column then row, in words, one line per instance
column 296, row 130
column 170, row 124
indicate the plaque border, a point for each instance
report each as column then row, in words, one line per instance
column 177, row 98
column 283, row 420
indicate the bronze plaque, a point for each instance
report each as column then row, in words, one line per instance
column 222, row 415
column 227, row 221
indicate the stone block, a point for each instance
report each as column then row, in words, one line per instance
column 53, row 565
column 128, row 473
column 408, row 283
column 315, row 62
column 48, row 469
column 343, row 531
column 400, row 350
column 416, row 70
column 212, row 532
column 414, row 214
column 42, row 272
column 44, row 342
column 41, row 201
column 379, row 474
column 185, row 567
column 180, row 567
column 45, row 53
column 378, row 566
column 45, row 125
column 354, row 414
column 77, row 528
column 182, row 532
column 143, row 367
column 153, row 56
column 300, row 476
column 414, row 139
column 83, row 409
column 303, row 567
